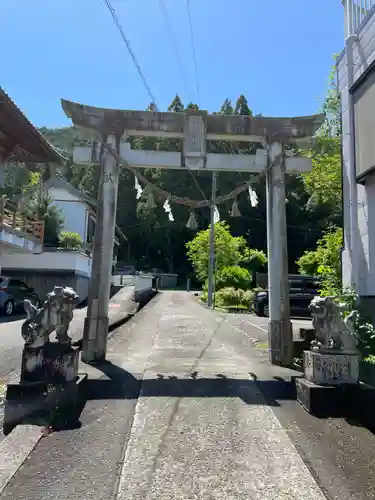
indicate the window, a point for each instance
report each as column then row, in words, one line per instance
column 90, row 229
column 18, row 284
column 364, row 124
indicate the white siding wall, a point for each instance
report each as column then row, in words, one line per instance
column 359, row 200
column 75, row 211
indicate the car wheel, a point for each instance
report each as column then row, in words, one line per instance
column 8, row 308
column 266, row 311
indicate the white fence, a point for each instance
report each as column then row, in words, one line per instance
column 355, row 13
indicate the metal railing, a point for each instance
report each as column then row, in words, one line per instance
column 12, row 218
column 355, row 13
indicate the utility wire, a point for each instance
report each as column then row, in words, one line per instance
column 130, row 50
column 139, row 69
column 172, row 40
column 168, row 26
column 193, row 49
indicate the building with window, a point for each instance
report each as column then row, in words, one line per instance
column 356, row 84
column 20, row 142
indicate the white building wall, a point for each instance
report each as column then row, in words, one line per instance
column 61, row 261
column 74, row 210
column 358, row 259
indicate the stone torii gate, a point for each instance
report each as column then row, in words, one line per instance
column 195, row 127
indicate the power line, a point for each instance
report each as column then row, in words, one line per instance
column 123, row 36
column 193, row 49
column 172, row 39
column 130, row 50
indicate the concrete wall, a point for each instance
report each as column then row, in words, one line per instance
column 44, row 271
column 76, row 262
column 44, row 281
column 75, row 211
column 358, row 258
column 14, row 241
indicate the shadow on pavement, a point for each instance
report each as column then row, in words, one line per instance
column 121, row 384
column 13, row 318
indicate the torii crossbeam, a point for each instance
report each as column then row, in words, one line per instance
column 195, row 127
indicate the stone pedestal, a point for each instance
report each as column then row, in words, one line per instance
column 330, row 385
column 54, row 363
column 320, row 400
column 334, row 368
column 49, row 387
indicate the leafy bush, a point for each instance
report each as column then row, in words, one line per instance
column 70, row 240
column 234, row 277
column 229, row 250
column 257, row 260
column 370, row 359
column 229, row 297
column 348, row 300
column 325, row 262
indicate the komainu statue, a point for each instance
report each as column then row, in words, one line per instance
column 333, row 332
column 55, row 315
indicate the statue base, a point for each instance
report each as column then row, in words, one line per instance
column 320, row 400
column 53, row 363
column 333, row 368
column 49, row 391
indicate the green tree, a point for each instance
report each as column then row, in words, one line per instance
column 324, row 182
column 191, row 105
column 229, row 250
column 325, row 261
column 233, row 276
column 226, row 108
column 176, row 105
column 242, row 107
column 41, row 206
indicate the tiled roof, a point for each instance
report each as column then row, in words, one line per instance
column 19, row 139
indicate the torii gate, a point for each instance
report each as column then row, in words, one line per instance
column 195, row 127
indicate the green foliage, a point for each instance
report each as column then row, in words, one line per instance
column 234, row 277
column 257, row 260
column 370, row 359
column 325, row 262
column 70, row 240
column 324, row 182
column 154, row 242
column 229, row 297
column 41, row 206
column 229, row 250
column 308, row 263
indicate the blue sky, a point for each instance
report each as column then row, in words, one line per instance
column 276, row 52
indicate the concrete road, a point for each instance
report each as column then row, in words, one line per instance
column 11, row 342
column 251, row 323
column 176, row 414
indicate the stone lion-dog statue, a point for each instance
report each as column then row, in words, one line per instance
column 55, row 315
column 333, row 332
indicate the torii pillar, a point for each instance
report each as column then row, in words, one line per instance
column 195, row 128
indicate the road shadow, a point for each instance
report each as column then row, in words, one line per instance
column 120, row 384
column 11, row 319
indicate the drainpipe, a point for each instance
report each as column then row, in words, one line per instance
column 353, row 213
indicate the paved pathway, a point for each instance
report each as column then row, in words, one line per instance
column 199, row 429
column 175, row 414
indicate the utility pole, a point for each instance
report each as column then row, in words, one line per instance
column 280, row 332
column 211, row 259
column 95, row 333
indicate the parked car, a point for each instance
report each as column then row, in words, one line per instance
column 302, row 289
column 12, row 294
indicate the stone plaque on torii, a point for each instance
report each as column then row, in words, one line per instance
column 195, row 127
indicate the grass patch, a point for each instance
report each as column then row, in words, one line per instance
column 261, row 345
